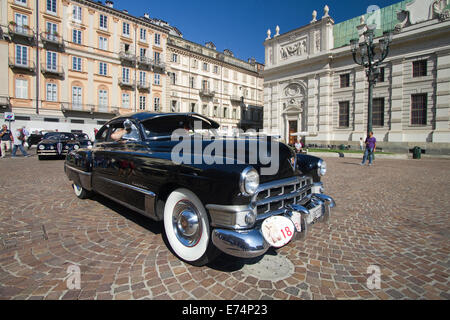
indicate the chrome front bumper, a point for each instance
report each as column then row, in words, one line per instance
column 251, row 243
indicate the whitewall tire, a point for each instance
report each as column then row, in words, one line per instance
column 186, row 225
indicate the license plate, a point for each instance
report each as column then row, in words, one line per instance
column 314, row 214
column 278, row 231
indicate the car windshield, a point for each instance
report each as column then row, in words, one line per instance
column 59, row 136
column 82, row 136
column 164, row 126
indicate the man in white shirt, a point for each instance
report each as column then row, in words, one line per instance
column 19, row 137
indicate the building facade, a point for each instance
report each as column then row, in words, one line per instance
column 72, row 65
column 215, row 84
column 313, row 86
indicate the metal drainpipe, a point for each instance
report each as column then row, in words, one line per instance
column 37, row 57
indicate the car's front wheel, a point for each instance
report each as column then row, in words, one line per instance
column 80, row 192
column 187, row 229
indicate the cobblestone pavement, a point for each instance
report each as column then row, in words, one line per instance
column 394, row 215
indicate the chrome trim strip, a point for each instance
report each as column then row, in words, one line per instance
column 129, row 186
column 282, row 197
column 242, row 244
column 78, row 170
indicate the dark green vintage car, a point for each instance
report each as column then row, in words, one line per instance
column 231, row 204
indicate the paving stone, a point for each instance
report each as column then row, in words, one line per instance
column 121, row 254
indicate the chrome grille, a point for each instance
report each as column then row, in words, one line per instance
column 272, row 197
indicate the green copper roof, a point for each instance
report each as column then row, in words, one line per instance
column 345, row 31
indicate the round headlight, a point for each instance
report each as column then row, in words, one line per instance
column 249, row 181
column 76, row 147
column 321, row 168
column 66, row 147
column 52, row 147
column 41, row 147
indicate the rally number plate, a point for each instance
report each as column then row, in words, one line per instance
column 278, row 231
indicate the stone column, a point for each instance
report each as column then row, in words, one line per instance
column 325, row 105
column 360, row 110
column 442, row 129
column 312, row 105
column 396, row 127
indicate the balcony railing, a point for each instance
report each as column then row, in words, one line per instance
column 127, row 56
column 236, row 98
column 51, row 69
column 126, row 82
column 159, row 65
column 49, row 38
column 17, row 31
column 143, row 85
column 4, row 102
column 206, row 92
column 22, row 65
column 144, row 61
column 91, row 108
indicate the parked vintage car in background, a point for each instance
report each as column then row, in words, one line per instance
column 56, row 144
column 83, row 139
column 205, row 208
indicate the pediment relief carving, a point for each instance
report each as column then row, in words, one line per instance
column 296, row 48
column 294, row 90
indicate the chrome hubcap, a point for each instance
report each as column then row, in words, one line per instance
column 186, row 223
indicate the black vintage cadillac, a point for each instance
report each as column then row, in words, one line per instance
column 56, row 144
column 83, row 139
column 232, row 204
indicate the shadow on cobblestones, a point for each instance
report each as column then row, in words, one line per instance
column 146, row 223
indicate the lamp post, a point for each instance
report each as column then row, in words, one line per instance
column 370, row 59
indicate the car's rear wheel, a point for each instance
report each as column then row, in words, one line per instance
column 186, row 225
column 80, row 192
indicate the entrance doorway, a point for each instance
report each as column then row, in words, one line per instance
column 292, row 129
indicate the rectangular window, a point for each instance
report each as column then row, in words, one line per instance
column 142, row 52
column 125, row 100
column 22, row 2
column 381, row 75
column 21, row 21
column 22, row 88
column 143, row 35
column 225, row 112
column 345, row 80
column 192, row 82
column 419, row 68
column 378, row 112
column 173, row 106
column 77, row 13
column 142, row 102
column 157, row 57
column 51, row 29
column 193, row 107
column 103, row 69
column 76, row 64
column 51, row 6
column 51, row 92
column 21, row 55
column 215, row 112
column 174, row 57
column 419, row 109
column 77, row 97
column 103, row 43
column 156, row 101
column 126, row 29
column 76, row 36
column 173, row 78
column 142, row 77
column 344, row 114
column 157, row 79
column 103, row 22
column 126, row 75
column 205, row 66
column 103, row 98
column 216, row 69
column 51, row 61
column 157, row 39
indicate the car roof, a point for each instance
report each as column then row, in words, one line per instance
column 143, row 116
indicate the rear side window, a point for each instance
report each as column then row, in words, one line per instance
column 164, row 126
column 102, row 134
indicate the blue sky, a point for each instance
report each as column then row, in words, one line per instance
column 241, row 25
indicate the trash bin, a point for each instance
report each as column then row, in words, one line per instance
column 417, row 152
column 342, row 147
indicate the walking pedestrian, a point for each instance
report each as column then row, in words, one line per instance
column 361, row 143
column 371, row 145
column 26, row 135
column 18, row 140
column 6, row 138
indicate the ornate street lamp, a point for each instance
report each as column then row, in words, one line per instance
column 370, row 59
